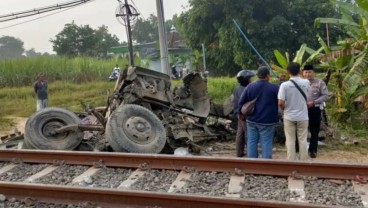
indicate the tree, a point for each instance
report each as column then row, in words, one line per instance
column 269, row 24
column 146, row 30
column 32, row 53
column 10, row 47
column 82, row 40
column 105, row 41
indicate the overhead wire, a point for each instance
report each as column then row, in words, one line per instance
column 31, row 20
column 137, row 9
column 28, row 13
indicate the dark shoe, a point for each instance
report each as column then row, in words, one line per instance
column 313, row 155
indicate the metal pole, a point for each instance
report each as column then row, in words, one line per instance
column 162, row 38
column 204, row 58
column 254, row 49
column 129, row 34
column 328, row 36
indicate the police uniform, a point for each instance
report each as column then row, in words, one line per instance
column 319, row 94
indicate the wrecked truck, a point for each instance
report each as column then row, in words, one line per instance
column 144, row 114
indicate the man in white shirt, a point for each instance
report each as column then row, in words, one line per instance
column 293, row 102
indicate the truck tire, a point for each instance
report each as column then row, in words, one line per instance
column 40, row 124
column 133, row 128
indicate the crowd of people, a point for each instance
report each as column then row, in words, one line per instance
column 297, row 101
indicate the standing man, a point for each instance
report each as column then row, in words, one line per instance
column 244, row 78
column 317, row 95
column 40, row 88
column 261, row 123
column 293, row 101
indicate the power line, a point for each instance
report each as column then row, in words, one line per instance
column 27, row 13
column 31, row 20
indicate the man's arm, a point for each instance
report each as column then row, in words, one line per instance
column 281, row 96
column 243, row 99
column 281, row 104
column 324, row 93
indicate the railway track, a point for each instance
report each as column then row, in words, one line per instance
column 30, row 178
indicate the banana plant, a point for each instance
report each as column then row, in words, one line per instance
column 350, row 60
column 283, row 61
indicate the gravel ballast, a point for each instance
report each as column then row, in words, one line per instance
column 156, row 180
column 21, row 172
column 322, row 191
column 64, row 175
column 207, row 183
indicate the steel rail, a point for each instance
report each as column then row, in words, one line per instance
column 243, row 166
column 118, row 198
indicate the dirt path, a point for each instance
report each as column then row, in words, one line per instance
column 20, row 123
column 227, row 149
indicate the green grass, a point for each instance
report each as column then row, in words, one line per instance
column 23, row 72
column 5, row 123
column 220, row 88
column 21, row 101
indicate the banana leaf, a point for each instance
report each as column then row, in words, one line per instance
column 314, row 55
column 299, row 54
column 334, row 21
column 278, row 69
column 323, row 44
column 351, row 8
column 282, row 61
column 362, row 4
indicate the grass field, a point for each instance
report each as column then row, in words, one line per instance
column 23, row 72
column 21, row 101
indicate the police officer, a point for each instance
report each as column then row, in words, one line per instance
column 244, row 78
column 317, row 95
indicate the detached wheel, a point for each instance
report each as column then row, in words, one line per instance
column 132, row 128
column 42, row 123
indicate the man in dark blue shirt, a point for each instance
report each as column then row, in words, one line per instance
column 40, row 88
column 261, row 123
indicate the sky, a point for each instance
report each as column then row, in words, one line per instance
column 37, row 34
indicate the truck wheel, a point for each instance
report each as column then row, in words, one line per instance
column 133, row 128
column 39, row 125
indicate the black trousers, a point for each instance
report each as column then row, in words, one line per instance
column 241, row 138
column 314, row 126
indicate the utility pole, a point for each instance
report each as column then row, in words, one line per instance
column 128, row 14
column 162, row 38
column 129, row 34
column 204, row 58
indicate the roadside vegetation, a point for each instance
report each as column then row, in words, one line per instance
column 24, row 71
